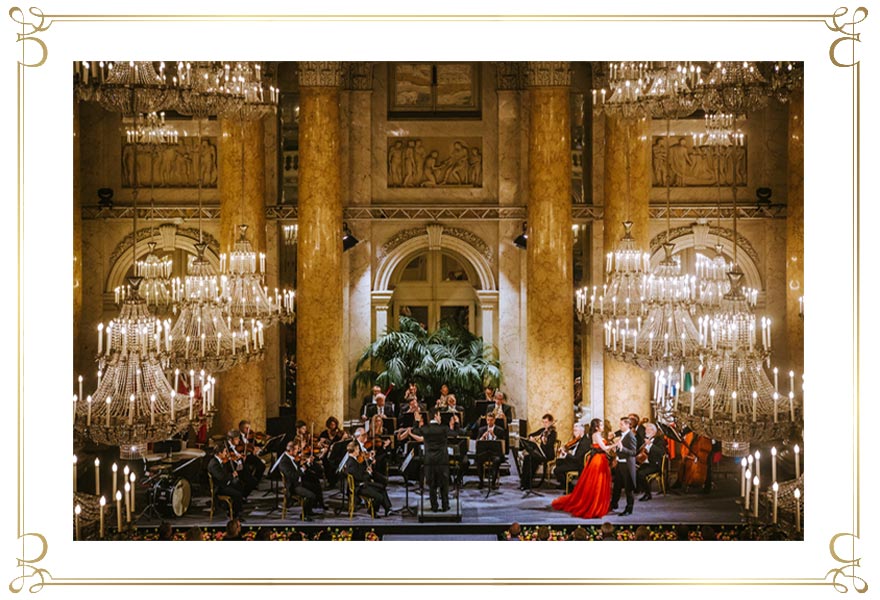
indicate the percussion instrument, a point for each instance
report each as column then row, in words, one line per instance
column 171, row 496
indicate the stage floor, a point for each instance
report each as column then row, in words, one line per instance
column 501, row 507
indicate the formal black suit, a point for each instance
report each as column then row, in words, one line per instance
column 364, row 483
column 530, row 463
column 226, row 483
column 655, row 461
column 500, row 434
column 295, row 484
column 373, row 409
column 625, row 477
column 436, row 462
column 573, row 461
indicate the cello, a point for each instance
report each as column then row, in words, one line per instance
column 696, row 452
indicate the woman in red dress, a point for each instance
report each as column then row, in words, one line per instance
column 591, row 496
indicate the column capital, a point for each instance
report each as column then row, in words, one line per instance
column 320, row 74
column 488, row 299
column 548, row 74
column 510, row 76
column 381, row 299
column 358, row 76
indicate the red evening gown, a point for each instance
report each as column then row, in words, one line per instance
column 591, row 496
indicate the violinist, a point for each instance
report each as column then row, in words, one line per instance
column 237, row 458
column 649, row 459
column 571, row 456
column 546, row 439
column 301, row 434
column 360, row 469
column 292, row 469
column 333, row 433
column 226, row 481
column 370, row 451
column 252, row 462
column 489, row 432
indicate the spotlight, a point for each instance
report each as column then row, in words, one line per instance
column 348, row 240
column 105, row 197
column 523, row 238
column 763, row 195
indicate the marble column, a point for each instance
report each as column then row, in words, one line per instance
column 242, row 390
column 627, row 186
column 549, row 305
column 794, row 239
column 77, row 243
column 319, row 295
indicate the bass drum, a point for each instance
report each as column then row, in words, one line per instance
column 171, row 496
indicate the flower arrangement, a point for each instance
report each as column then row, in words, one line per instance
column 371, row 536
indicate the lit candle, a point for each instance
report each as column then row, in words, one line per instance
column 80, row 386
column 76, row 510
column 791, row 406
column 127, row 489
column 130, row 409
column 114, row 468
column 102, row 502
column 191, row 396
column 171, row 414
column 711, row 404
column 748, row 488
column 132, row 478
column 791, row 382
column 74, row 473
column 758, row 464
column 797, row 508
column 773, row 463
column 754, row 407
column 118, row 511
column 74, row 407
column 100, row 338
column 775, row 407
column 152, row 409
column 107, row 415
column 775, row 501
column 757, row 488
column 742, row 478
column 797, row 461
column 776, row 379
column 693, row 394
column 733, row 405
column 89, row 411
column 97, row 476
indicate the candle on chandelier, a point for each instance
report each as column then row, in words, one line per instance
column 748, row 488
column 108, row 402
column 118, row 511
column 797, row 461
column 101, row 503
column 791, row 382
column 757, row 488
column 797, row 507
column 152, row 409
column 97, row 476
column 132, row 478
column 191, row 396
column 130, row 410
column 176, row 379
column 693, row 395
column 127, row 494
column 186, row 356
column 758, row 464
column 775, row 502
column 114, row 468
column 742, row 477
column 80, row 386
column 711, row 404
column 791, row 406
column 773, row 463
column 733, row 406
column 74, row 473
column 202, row 345
column 75, row 399
column 218, row 343
column 76, row 510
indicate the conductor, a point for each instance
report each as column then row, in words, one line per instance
column 434, row 435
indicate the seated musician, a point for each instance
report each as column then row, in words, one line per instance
column 456, row 431
column 414, row 406
column 333, row 433
column 236, row 449
column 366, row 444
column 293, row 477
column 546, row 439
column 489, row 432
column 252, row 461
column 412, row 391
column 500, row 409
column 381, row 407
column 451, row 405
column 651, row 454
column 368, row 400
column 489, row 394
column 359, row 467
column 571, row 457
column 226, row 481
column 301, row 433
column 444, row 396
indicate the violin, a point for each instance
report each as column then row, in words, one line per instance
column 642, row 455
column 569, row 445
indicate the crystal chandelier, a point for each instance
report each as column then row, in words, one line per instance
column 134, row 403
column 152, row 131
column 290, row 234
column 628, row 83
column 786, row 79
column 734, row 87
column 245, row 80
column 131, row 87
column 204, row 89
column 671, row 94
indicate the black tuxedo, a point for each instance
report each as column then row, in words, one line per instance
column 364, row 483
column 293, row 477
column 373, row 409
column 625, row 477
column 436, row 462
column 655, row 461
column 226, row 483
column 500, row 434
column 530, row 463
column 573, row 461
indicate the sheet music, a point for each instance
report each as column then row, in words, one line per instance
column 280, row 456
column 342, row 463
column 407, row 460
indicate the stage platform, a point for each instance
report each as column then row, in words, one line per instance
column 503, row 506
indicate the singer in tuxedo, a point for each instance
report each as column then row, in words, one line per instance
column 435, row 436
column 625, row 477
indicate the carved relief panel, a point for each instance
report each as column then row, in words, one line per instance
column 435, row 162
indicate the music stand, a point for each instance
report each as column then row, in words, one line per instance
column 492, row 448
column 406, row 508
column 536, row 453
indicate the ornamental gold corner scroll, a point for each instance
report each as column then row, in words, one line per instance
column 848, row 570
column 29, row 27
column 838, row 24
column 27, row 565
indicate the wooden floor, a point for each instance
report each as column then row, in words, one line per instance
column 502, row 506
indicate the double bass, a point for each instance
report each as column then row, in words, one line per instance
column 696, row 451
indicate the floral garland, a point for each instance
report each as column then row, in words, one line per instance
column 655, row 533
